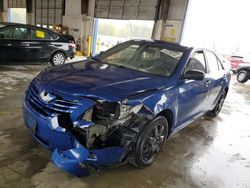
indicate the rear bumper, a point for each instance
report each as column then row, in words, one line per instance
column 70, row 54
column 68, row 153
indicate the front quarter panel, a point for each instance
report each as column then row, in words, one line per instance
column 156, row 102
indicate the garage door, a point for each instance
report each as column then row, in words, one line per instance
column 17, row 3
column 127, row 9
column 48, row 12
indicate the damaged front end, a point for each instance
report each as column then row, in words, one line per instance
column 83, row 132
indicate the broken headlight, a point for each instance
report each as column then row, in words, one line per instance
column 124, row 111
column 113, row 110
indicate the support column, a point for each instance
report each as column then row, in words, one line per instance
column 80, row 21
column 169, row 27
column 30, row 5
column 88, row 24
column 4, row 14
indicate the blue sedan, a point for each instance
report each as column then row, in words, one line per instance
column 120, row 106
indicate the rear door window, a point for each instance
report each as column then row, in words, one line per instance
column 39, row 34
column 19, row 33
column 212, row 61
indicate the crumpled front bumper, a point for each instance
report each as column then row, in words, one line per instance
column 68, row 153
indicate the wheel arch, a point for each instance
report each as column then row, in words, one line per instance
column 168, row 114
column 243, row 69
column 56, row 51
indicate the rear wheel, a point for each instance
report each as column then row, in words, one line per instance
column 150, row 142
column 243, row 76
column 218, row 107
column 58, row 58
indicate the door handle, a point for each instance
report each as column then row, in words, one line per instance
column 208, row 83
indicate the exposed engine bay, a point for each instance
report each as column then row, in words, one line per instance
column 112, row 124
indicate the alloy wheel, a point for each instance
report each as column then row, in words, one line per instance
column 241, row 76
column 58, row 59
column 220, row 104
column 153, row 142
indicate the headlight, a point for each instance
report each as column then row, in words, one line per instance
column 114, row 110
column 126, row 110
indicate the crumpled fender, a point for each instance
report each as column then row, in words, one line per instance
column 76, row 160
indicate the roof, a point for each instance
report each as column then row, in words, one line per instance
column 19, row 24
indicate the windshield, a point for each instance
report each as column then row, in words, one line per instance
column 145, row 57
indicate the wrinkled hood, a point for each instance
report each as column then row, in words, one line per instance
column 95, row 79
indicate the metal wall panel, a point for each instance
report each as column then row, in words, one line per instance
column 16, row 3
column 49, row 12
column 127, row 9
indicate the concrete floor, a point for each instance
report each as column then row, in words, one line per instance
column 208, row 153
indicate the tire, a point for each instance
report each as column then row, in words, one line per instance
column 150, row 142
column 58, row 58
column 243, row 76
column 215, row 112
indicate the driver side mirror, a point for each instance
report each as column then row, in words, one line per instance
column 194, row 75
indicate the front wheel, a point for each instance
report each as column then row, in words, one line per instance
column 150, row 142
column 58, row 58
column 243, row 76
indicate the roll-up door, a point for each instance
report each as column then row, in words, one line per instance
column 16, row 3
column 127, row 9
column 49, row 12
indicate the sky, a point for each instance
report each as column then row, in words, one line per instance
column 219, row 24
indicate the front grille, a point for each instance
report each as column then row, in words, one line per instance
column 52, row 108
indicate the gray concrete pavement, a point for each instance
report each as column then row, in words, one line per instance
column 208, row 153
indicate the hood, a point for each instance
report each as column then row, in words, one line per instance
column 98, row 80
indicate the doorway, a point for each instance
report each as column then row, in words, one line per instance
column 110, row 32
column 17, row 15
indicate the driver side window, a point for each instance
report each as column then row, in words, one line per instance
column 197, row 62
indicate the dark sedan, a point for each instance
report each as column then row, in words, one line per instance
column 25, row 43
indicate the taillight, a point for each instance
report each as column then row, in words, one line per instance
column 72, row 45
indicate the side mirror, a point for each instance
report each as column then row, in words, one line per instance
column 194, row 75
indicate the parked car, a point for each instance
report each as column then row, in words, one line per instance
column 122, row 105
column 25, row 43
column 235, row 61
column 243, row 72
column 70, row 38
